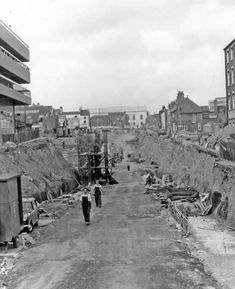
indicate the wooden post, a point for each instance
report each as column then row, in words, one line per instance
column 106, row 157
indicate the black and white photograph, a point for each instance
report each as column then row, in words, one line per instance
column 117, row 144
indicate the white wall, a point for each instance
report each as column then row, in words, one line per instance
column 137, row 119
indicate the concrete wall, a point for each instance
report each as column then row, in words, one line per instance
column 13, row 43
column 137, row 121
column 12, row 69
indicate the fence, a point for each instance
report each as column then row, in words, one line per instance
column 227, row 150
column 21, row 136
column 180, row 218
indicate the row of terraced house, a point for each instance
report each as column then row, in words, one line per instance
column 183, row 114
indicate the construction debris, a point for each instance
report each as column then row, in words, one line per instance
column 6, row 265
column 182, row 201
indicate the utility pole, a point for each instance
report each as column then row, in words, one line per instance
column 78, row 152
column 106, row 157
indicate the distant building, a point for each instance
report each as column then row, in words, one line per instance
column 84, row 118
column 71, row 119
column 137, row 116
column 14, row 52
column 185, row 114
column 205, row 114
column 153, row 120
column 163, row 118
column 218, row 110
column 230, row 80
column 75, row 119
column 43, row 117
column 116, row 119
column 100, row 120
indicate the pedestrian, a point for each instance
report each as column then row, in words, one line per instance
column 85, row 198
column 98, row 192
column 128, row 166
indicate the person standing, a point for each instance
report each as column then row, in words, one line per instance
column 85, row 198
column 128, row 165
column 97, row 192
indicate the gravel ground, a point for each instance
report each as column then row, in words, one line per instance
column 128, row 245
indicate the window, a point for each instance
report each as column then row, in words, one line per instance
column 233, row 101
column 229, row 102
column 141, row 116
column 199, row 126
column 84, row 121
column 133, row 123
column 185, row 127
column 228, row 77
column 231, row 53
column 227, row 56
column 194, row 118
column 232, row 75
column 141, row 123
column 84, row 117
column 133, row 117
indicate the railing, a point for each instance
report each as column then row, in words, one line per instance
column 7, row 82
column 21, row 136
column 180, row 218
column 13, row 33
column 14, row 58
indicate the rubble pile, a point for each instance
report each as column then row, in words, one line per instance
column 6, row 265
column 187, row 199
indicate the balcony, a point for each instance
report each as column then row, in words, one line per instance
column 13, row 43
column 13, row 92
column 13, row 68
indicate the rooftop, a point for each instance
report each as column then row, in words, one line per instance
column 230, row 43
column 13, row 33
column 113, row 109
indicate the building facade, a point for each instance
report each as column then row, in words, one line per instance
column 75, row 119
column 84, row 118
column 230, row 81
column 14, row 52
column 137, row 116
column 44, row 118
column 185, row 115
column 163, row 118
column 218, row 110
column 115, row 119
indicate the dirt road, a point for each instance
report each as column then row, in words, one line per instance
column 128, row 246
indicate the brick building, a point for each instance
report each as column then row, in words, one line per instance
column 185, row 114
column 163, row 119
column 230, row 81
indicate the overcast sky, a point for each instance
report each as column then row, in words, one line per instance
column 98, row 53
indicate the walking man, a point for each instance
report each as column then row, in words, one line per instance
column 85, row 198
column 97, row 192
column 128, row 165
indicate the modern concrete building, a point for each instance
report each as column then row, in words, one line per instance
column 230, row 80
column 14, row 52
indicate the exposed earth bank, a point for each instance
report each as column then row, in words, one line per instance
column 188, row 166
column 42, row 165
